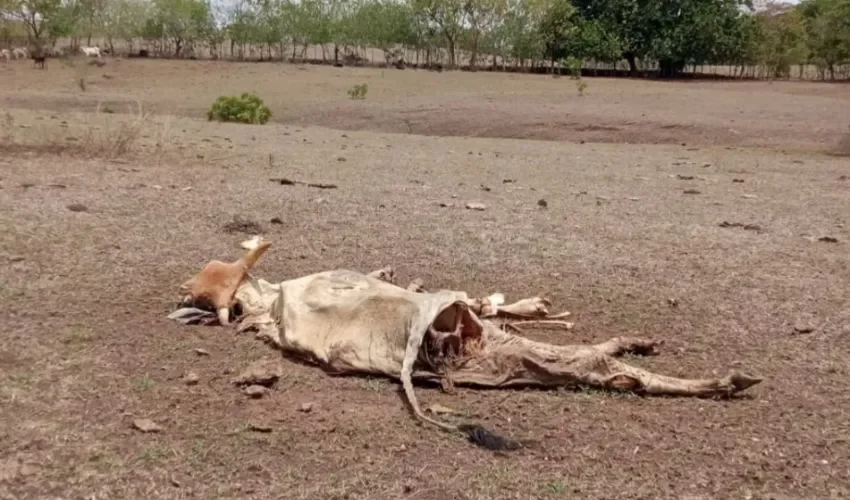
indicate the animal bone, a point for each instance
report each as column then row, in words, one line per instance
column 535, row 307
column 492, row 306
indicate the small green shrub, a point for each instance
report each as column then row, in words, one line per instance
column 580, row 86
column 573, row 65
column 358, row 91
column 246, row 108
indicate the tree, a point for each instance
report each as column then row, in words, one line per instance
column 783, row 41
column 632, row 21
column 481, row 16
column 827, row 27
column 383, row 24
column 448, row 17
column 182, row 22
column 672, row 33
column 518, row 36
column 90, row 17
column 557, row 28
column 45, row 19
column 124, row 20
column 593, row 41
column 696, row 32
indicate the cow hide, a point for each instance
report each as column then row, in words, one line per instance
column 349, row 322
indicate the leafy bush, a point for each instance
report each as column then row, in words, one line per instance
column 246, row 108
column 580, row 86
column 358, row 91
column 573, row 65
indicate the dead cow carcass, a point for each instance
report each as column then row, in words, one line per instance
column 350, row 322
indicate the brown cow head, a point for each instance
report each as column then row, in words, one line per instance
column 218, row 281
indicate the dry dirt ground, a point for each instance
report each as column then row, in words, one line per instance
column 97, row 237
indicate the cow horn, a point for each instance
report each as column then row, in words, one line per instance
column 223, row 315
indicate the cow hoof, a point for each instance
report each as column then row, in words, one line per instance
column 740, row 381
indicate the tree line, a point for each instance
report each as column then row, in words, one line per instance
column 663, row 35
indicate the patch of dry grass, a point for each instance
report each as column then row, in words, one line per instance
column 843, row 148
column 102, row 134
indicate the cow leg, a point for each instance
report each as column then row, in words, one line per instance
column 606, row 372
column 629, row 345
column 511, row 360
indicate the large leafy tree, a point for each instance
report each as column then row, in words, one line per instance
column 674, row 33
column 558, row 28
column 45, row 20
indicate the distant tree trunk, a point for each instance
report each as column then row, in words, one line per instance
column 451, row 47
column 631, row 59
column 473, row 55
column 668, row 68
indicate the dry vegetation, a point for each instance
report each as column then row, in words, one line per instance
column 708, row 215
column 98, row 134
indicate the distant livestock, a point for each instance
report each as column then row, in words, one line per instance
column 90, row 51
column 39, row 59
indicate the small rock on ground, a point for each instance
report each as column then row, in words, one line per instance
column 264, row 372
column 191, row 378
column 257, row 427
column 146, row 425
column 255, row 391
column 803, row 328
column 77, row 207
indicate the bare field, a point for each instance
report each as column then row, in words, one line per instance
column 788, row 116
column 633, row 220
